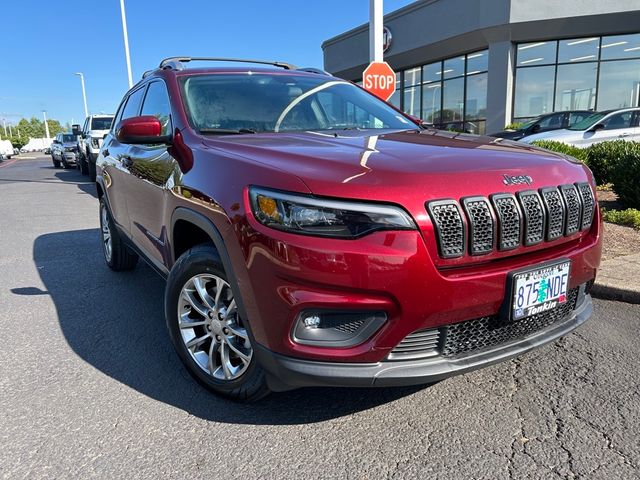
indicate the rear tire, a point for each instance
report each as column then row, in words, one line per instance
column 92, row 169
column 56, row 163
column 217, row 350
column 116, row 253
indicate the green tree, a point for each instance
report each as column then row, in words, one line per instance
column 33, row 128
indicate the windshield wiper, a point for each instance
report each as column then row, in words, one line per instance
column 226, row 131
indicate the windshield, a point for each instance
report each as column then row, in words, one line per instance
column 101, row 123
column 67, row 137
column 587, row 122
column 250, row 103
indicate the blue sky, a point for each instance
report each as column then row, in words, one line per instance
column 47, row 42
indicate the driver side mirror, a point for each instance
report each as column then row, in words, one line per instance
column 597, row 126
column 145, row 129
column 75, row 130
column 535, row 128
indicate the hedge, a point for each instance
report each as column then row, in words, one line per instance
column 629, row 217
column 616, row 162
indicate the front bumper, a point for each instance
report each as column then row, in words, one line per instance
column 285, row 373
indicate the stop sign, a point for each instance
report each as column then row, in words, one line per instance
column 379, row 79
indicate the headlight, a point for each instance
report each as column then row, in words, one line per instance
column 326, row 218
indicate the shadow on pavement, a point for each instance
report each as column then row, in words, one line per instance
column 73, row 175
column 115, row 322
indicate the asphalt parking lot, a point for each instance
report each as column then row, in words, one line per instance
column 90, row 385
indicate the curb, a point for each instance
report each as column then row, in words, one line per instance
column 609, row 292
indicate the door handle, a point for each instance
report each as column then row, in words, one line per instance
column 126, row 161
column 623, row 135
column 106, row 152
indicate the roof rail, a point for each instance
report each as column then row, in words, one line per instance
column 319, row 71
column 175, row 63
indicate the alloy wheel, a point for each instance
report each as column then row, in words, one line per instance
column 107, row 241
column 211, row 328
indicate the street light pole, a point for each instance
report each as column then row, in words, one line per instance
column 84, row 94
column 126, row 42
column 46, row 125
column 375, row 30
column 4, row 124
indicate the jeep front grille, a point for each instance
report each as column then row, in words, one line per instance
column 510, row 221
column 486, row 332
column 586, row 196
column 447, row 219
column 420, row 344
column 481, row 225
column 475, row 335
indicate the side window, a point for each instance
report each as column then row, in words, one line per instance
column 619, row 120
column 156, row 103
column 132, row 106
column 577, row 117
column 551, row 122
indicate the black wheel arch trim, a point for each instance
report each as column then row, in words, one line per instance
column 202, row 222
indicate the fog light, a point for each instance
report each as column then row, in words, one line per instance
column 312, row 321
column 336, row 328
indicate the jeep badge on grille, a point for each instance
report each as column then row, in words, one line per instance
column 516, row 179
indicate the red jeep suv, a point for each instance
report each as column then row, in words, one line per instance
column 312, row 234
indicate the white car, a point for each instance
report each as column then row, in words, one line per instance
column 6, row 149
column 599, row 127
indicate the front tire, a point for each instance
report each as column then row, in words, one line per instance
column 82, row 164
column 92, row 167
column 206, row 329
column 117, row 255
column 56, row 163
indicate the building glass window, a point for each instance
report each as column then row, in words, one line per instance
column 578, row 50
column 620, row 46
column 412, row 77
column 537, row 53
column 412, row 101
column 619, row 85
column 453, row 100
column 448, row 93
column 592, row 73
column 453, row 67
column 431, row 99
column 477, row 62
column 476, row 100
column 576, row 86
column 534, row 91
column 432, row 72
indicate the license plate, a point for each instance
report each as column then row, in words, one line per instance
column 539, row 290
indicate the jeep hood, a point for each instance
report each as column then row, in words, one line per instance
column 400, row 166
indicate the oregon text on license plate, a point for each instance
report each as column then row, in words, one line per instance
column 540, row 290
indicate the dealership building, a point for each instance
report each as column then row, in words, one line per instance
column 482, row 64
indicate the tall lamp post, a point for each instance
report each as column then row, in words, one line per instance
column 46, row 125
column 84, row 94
column 126, row 42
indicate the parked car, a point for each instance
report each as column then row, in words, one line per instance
column 90, row 140
column 64, row 150
column 545, row 123
column 310, row 234
column 598, row 127
column 6, row 149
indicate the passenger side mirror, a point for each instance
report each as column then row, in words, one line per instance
column 145, row 129
column 597, row 126
column 535, row 128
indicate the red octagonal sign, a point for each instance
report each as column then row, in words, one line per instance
column 379, row 79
